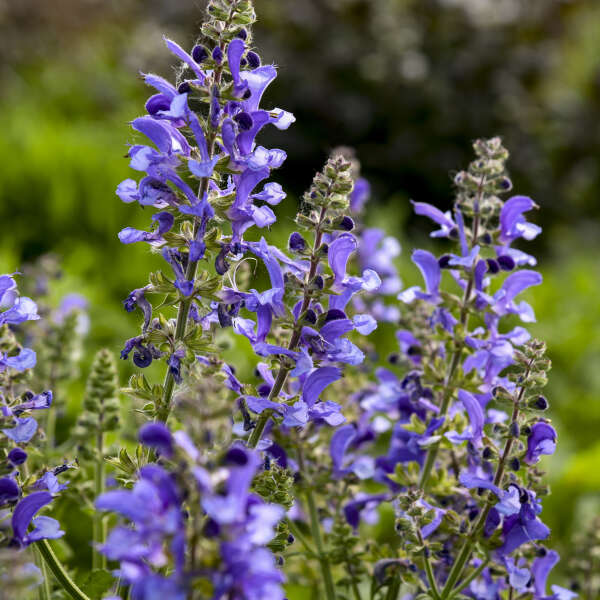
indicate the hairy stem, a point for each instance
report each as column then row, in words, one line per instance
column 294, row 339
column 315, row 530
column 467, row 548
column 59, row 571
column 43, row 589
column 99, row 525
column 454, row 361
column 467, row 580
column 428, row 568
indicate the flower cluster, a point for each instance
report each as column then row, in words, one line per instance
column 201, row 173
column 22, row 495
column 465, row 411
column 274, row 479
column 180, row 501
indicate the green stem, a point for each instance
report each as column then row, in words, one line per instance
column 59, row 571
column 474, row 575
column 454, row 362
column 467, row 548
column 99, row 524
column 315, row 529
column 428, row 568
column 282, row 374
column 355, row 589
column 43, row 589
column 300, row 536
column 393, row 589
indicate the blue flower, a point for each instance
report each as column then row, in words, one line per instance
column 541, row 440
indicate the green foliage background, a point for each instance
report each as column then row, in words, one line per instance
column 409, row 83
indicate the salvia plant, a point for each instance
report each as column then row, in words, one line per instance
column 324, row 470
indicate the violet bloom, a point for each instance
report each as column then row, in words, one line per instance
column 540, row 570
column 44, row 527
column 430, row 269
column 541, row 440
column 512, row 222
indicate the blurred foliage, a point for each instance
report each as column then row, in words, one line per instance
column 408, row 83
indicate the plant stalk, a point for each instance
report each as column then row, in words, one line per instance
column 454, row 362
column 59, row 571
column 467, row 548
column 99, row 524
column 282, row 374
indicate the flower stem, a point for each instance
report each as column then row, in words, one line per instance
column 315, row 530
column 59, row 571
column 465, row 552
column 428, row 568
column 190, row 274
column 465, row 582
column 44, row 592
column 282, row 374
column 99, row 525
column 454, row 362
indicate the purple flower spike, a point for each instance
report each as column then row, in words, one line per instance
column 541, row 440
column 157, row 436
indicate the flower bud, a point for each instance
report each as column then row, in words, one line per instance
column 184, row 87
column 244, row 120
column 346, row 224
column 444, row 261
column 199, row 54
column 310, row 316
column 492, row 266
column 253, row 60
column 17, row 456
column 217, row 55
column 296, row 243
column 242, row 34
column 540, row 403
column 514, row 464
column 514, row 429
column 506, row 262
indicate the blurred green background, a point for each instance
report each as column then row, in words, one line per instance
column 408, row 83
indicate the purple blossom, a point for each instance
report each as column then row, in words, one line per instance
column 541, row 440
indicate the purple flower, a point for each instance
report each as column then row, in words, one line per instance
column 338, row 254
column 9, row 490
column 26, row 359
column 44, row 527
column 476, row 419
column 541, row 440
column 430, row 269
column 317, row 381
column 447, row 225
column 359, row 195
column 157, row 436
column 49, row 482
column 521, row 528
column 23, row 431
column 512, row 222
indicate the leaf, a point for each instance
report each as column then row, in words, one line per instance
column 97, row 583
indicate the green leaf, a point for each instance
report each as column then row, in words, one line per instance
column 97, row 583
